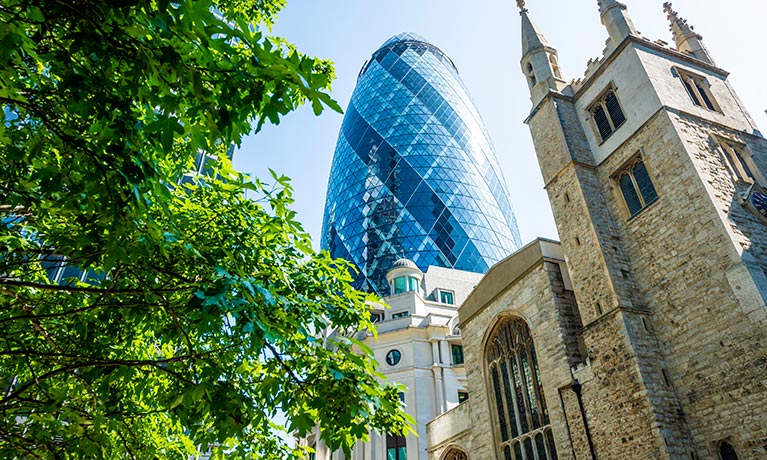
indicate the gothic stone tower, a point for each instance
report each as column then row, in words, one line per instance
column 654, row 171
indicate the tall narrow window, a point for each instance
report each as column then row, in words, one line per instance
column 607, row 114
column 396, row 448
column 636, row 187
column 737, row 161
column 457, row 351
column 531, row 74
column 698, row 89
column 522, row 427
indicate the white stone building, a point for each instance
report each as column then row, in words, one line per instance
column 419, row 346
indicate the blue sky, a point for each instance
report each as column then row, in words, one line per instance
column 482, row 38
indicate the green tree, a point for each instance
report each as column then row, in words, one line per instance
column 187, row 316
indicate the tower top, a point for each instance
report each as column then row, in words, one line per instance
column 532, row 38
column 605, row 5
column 617, row 20
column 685, row 37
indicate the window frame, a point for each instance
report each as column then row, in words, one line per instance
column 627, row 169
column 600, row 102
column 528, row 426
column 739, row 161
column 456, row 351
column 448, row 292
column 396, row 442
column 693, row 84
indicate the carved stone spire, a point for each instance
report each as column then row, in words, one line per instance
column 539, row 59
column 604, row 5
column 532, row 38
column 686, row 39
column 617, row 21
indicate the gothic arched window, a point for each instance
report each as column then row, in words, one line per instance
column 726, row 451
column 522, row 427
column 456, row 454
column 636, row 187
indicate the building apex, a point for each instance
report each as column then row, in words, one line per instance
column 521, row 5
column 679, row 26
column 605, row 5
column 532, row 38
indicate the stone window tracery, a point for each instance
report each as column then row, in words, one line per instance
column 522, row 427
column 456, row 454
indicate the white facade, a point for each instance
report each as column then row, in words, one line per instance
column 423, row 330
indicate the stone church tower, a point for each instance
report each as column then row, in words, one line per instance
column 646, row 160
column 649, row 324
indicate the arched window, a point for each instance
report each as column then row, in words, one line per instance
column 531, row 74
column 726, row 451
column 607, row 114
column 554, row 65
column 523, row 429
column 456, row 454
column 636, row 186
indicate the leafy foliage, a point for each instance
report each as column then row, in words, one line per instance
column 185, row 315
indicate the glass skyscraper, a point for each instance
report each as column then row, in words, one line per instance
column 414, row 173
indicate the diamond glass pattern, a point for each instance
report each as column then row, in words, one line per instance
column 414, row 173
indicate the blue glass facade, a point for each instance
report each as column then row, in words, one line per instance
column 414, row 173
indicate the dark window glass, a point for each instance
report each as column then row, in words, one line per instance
column 518, row 451
column 519, row 397
column 499, row 404
column 704, row 94
column 446, row 297
column 603, row 124
column 540, row 446
column 644, row 183
column 743, row 162
column 528, row 443
column 396, row 448
column 513, row 412
column 630, row 194
column 393, row 357
column 727, row 452
column 614, row 109
column 457, row 351
column 550, row 444
column 507, row 453
column 462, row 396
column 690, row 91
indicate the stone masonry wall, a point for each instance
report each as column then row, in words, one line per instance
column 540, row 299
column 707, row 314
column 634, row 411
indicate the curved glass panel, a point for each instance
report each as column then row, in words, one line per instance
column 414, row 173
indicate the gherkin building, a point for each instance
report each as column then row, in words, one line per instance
column 414, row 173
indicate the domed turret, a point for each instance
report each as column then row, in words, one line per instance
column 404, row 276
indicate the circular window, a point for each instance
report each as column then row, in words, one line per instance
column 393, row 357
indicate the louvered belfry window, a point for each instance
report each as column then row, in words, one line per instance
column 607, row 113
column 636, row 186
column 522, row 424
